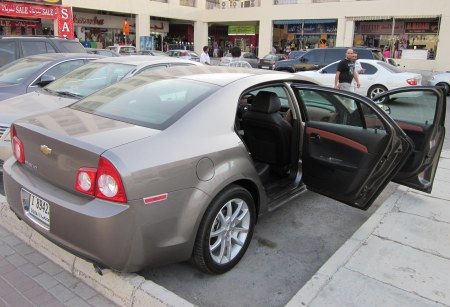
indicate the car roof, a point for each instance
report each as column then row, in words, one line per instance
column 223, row 75
column 143, row 59
column 57, row 56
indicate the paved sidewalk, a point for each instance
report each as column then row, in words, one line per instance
column 27, row 278
column 399, row 257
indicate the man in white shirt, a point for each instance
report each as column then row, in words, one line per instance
column 204, row 57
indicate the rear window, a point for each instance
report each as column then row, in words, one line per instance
column 20, row 70
column 90, row 78
column 389, row 67
column 147, row 101
column 271, row 57
column 7, row 52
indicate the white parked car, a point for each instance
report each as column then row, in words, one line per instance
column 378, row 77
column 249, row 57
column 442, row 79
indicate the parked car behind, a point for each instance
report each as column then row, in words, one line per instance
column 123, row 50
column 184, row 54
column 31, row 73
column 269, row 60
column 152, row 52
column 442, row 80
column 315, row 59
column 104, row 52
column 16, row 47
column 295, row 54
column 149, row 171
column 249, row 57
column 74, row 86
column 377, row 78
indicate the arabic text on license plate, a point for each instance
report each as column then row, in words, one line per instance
column 40, row 209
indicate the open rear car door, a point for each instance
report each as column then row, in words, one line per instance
column 352, row 148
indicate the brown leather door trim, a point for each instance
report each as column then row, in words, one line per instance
column 337, row 138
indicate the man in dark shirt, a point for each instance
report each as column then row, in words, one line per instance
column 346, row 72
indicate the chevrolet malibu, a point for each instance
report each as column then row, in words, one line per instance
column 179, row 164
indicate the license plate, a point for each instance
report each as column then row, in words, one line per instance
column 265, row 67
column 39, row 209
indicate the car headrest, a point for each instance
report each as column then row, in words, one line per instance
column 266, row 102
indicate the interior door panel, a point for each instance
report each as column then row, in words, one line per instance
column 339, row 156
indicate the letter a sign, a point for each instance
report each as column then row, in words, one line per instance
column 65, row 22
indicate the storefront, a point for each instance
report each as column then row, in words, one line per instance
column 418, row 36
column 27, row 18
column 100, row 31
column 304, row 34
column 245, row 37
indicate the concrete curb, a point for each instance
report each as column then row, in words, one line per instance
column 122, row 289
column 340, row 258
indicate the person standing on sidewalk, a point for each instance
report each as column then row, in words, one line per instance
column 346, row 72
column 204, row 57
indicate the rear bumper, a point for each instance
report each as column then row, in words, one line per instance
column 126, row 237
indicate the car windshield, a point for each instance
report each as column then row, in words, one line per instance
column 389, row 67
column 19, row 70
column 90, row 78
column 147, row 101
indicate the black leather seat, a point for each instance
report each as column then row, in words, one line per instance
column 267, row 134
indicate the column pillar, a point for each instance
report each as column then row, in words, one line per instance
column 142, row 28
column 200, row 36
column 265, row 37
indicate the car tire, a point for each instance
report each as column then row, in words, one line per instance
column 225, row 231
column 376, row 90
column 445, row 86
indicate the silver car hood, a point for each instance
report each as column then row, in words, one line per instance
column 30, row 104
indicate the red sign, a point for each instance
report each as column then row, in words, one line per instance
column 19, row 23
column 62, row 13
column 50, row 2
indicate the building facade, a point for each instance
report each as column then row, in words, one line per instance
column 416, row 32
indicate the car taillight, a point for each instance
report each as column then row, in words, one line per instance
column 102, row 182
column 17, row 146
column 411, row 81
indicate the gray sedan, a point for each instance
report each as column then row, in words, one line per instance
column 32, row 73
column 179, row 164
column 74, row 86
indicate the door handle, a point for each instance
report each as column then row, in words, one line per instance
column 315, row 137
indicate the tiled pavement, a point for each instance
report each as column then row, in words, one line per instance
column 28, row 278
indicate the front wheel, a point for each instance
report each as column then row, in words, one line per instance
column 376, row 90
column 225, row 231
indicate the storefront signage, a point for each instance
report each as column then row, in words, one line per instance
column 380, row 27
column 159, row 26
column 241, row 30
column 77, row 19
column 19, row 23
column 62, row 13
column 421, row 27
column 47, row 2
column 319, row 28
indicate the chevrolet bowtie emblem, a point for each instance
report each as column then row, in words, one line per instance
column 46, row 150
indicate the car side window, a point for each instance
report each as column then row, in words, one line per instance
column 32, row 48
column 369, row 69
column 61, row 69
column 151, row 68
column 338, row 109
column 331, row 69
column 313, row 56
column 7, row 52
column 332, row 55
column 412, row 107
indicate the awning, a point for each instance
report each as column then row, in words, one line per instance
column 304, row 21
column 364, row 18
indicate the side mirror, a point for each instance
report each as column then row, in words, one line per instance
column 46, row 79
column 323, row 71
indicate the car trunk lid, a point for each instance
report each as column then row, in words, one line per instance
column 58, row 144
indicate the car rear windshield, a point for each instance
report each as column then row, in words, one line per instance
column 147, row 101
column 20, row 70
column 90, row 78
column 271, row 57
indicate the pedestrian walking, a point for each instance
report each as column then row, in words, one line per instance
column 215, row 49
column 204, row 57
column 346, row 72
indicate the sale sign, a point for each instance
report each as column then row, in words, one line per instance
column 63, row 14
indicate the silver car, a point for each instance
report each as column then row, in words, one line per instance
column 249, row 57
column 442, row 80
column 74, row 86
column 179, row 164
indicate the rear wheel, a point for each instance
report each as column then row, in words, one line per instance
column 445, row 86
column 376, row 90
column 225, row 231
